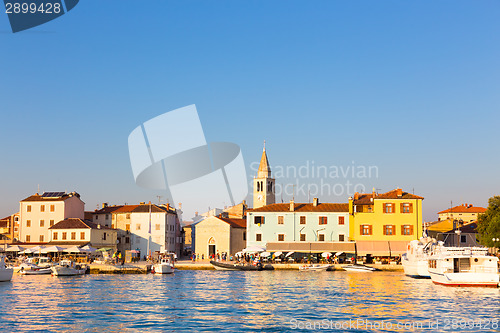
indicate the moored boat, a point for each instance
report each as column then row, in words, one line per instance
column 67, row 268
column 165, row 266
column 35, row 271
column 359, row 268
column 464, row 267
column 415, row 260
column 240, row 266
column 314, row 268
column 5, row 273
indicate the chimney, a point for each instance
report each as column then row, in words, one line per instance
column 142, row 203
column 315, row 202
column 356, row 196
column 98, row 226
column 104, row 205
column 399, row 192
column 292, row 205
column 374, row 194
column 168, row 208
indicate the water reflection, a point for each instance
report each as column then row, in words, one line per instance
column 231, row 301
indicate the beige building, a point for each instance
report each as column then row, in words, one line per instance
column 465, row 212
column 218, row 235
column 9, row 228
column 79, row 232
column 37, row 213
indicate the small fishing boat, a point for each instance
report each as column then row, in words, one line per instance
column 165, row 266
column 222, row 266
column 68, row 268
column 314, row 268
column 359, row 268
column 5, row 273
column 464, row 267
column 35, row 271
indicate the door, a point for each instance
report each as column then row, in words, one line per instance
column 211, row 250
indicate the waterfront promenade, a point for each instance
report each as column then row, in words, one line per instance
column 143, row 267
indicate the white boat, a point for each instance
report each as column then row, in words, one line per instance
column 313, row 268
column 68, row 268
column 5, row 273
column 464, row 267
column 165, row 266
column 358, row 268
column 36, row 271
column 415, row 260
column 24, row 266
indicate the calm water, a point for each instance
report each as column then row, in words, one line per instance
column 278, row 301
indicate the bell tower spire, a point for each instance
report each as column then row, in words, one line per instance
column 263, row 184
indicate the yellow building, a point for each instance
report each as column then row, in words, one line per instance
column 383, row 224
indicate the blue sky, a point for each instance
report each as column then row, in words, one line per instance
column 409, row 87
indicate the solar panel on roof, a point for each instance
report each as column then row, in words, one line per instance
column 52, row 194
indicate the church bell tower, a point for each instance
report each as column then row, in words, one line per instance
column 263, row 184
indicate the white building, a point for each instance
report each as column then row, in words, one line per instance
column 37, row 213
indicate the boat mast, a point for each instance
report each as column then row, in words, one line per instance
column 149, row 231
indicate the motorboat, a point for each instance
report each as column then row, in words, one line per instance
column 5, row 273
column 165, row 266
column 464, row 267
column 68, row 268
column 314, row 268
column 26, row 266
column 359, row 268
column 35, row 271
column 415, row 260
column 222, row 266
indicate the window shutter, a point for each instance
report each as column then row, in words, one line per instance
column 411, row 208
column 411, row 230
column 370, row 230
column 384, row 229
column 361, row 229
column 393, row 230
column 402, row 230
column 401, row 207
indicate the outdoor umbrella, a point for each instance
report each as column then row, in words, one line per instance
column 74, row 249
column 326, row 254
column 36, row 249
column 27, row 251
column 265, row 254
column 14, row 248
column 253, row 249
column 104, row 249
column 338, row 253
column 89, row 249
column 52, row 249
column 277, row 254
column 289, row 254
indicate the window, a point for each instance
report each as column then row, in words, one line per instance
column 366, row 229
column 41, row 238
column 42, row 223
column 106, row 217
column 104, row 236
column 28, row 208
column 42, row 208
column 463, row 239
column 127, row 216
column 64, row 234
column 341, row 238
column 388, row 208
column 302, row 237
column 54, row 236
column 281, row 237
column 51, row 223
column 157, row 226
column 259, row 220
column 28, row 238
column 127, row 227
column 341, row 220
column 28, row 223
column 52, row 208
column 407, row 230
column 321, row 237
column 137, row 227
column 389, row 229
column 73, row 235
column 322, row 220
column 406, row 208
column 302, row 220
column 280, row 219
column 97, row 217
column 258, row 237
column 127, row 240
column 244, row 236
column 82, row 235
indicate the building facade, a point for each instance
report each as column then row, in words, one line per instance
column 80, row 232
column 37, row 213
column 263, row 184
column 465, row 212
column 218, row 235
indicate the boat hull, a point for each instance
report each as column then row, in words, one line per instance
column 318, row 268
column 6, row 274
column 466, row 279
column 359, row 268
column 66, row 271
column 39, row 271
column 416, row 269
column 163, row 269
column 239, row 267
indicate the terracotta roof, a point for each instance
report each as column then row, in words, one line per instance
column 73, row 223
column 235, row 223
column 304, row 207
column 464, row 209
column 38, row 197
column 143, row 208
column 107, row 209
column 365, row 198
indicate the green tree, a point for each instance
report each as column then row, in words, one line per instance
column 489, row 223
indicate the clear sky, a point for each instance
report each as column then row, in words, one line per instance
column 410, row 87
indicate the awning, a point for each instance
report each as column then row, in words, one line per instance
column 311, row 247
column 398, row 247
